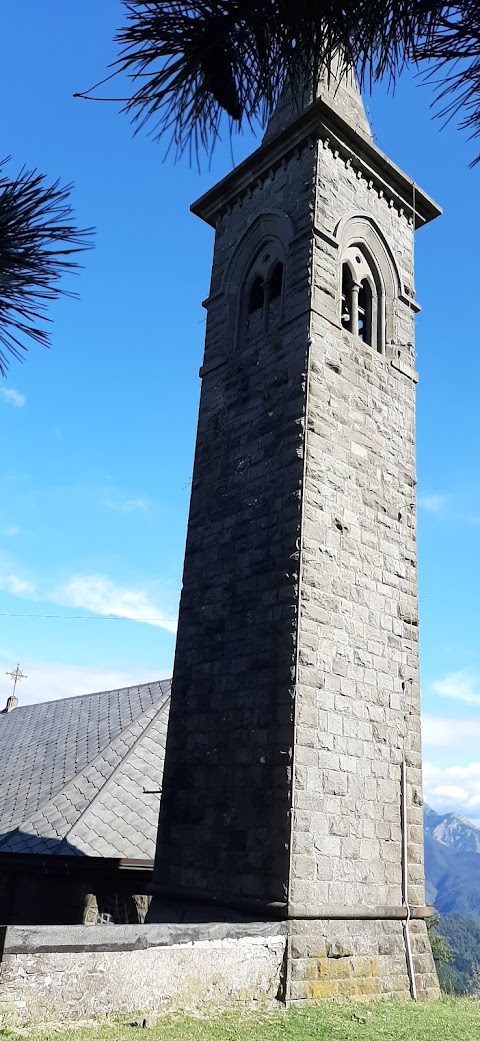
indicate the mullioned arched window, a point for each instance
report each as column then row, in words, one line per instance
column 255, row 307
column 262, row 293
column 369, row 282
column 361, row 301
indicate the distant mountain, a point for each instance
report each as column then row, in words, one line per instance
column 452, row 863
column 452, row 830
column 452, row 885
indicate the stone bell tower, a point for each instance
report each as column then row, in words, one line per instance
column 292, row 784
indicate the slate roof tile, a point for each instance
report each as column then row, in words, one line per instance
column 72, row 773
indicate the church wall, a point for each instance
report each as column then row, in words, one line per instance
column 70, row 973
column 357, row 711
column 225, row 812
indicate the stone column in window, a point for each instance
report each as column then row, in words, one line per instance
column 376, row 340
column 354, row 298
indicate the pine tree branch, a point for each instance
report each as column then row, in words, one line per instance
column 191, row 61
column 37, row 243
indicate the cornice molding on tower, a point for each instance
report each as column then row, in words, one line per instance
column 320, row 123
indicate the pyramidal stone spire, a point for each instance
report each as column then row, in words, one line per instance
column 337, row 89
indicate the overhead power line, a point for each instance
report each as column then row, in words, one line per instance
column 87, row 617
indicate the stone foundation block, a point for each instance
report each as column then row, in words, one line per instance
column 357, row 960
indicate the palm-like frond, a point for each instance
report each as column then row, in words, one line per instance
column 454, row 54
column 191, row 60
column 37, row 241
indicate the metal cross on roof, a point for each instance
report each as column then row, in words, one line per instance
column 16, row 675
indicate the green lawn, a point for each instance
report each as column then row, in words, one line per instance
column 449, row 1019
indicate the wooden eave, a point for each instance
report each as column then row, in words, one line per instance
column 44, row 863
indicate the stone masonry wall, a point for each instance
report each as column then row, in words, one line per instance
column 358, row 960
column 72, row 973
column 225, row 812
column 357, row 706
column 76, row 973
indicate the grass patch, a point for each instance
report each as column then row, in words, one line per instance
column 449, row 1019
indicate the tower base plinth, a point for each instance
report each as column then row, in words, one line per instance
column 353, row 954
column 358, row 959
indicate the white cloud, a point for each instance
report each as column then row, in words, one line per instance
column 95, row 593
column 11, row 531
column 49, row 681
column 450, row 793
column 440, row 732
column 12, row 397
column 127, row 505
column 453, row 789
column 461, row 686
column 432, row 503
column 11, row 583
column 99, row 594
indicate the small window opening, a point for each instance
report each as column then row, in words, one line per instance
column 347, row 285
column 260, row 310
column 255, row 302
column 276, row 280
column 361, row 301
column 104, row 918
column 365, row 312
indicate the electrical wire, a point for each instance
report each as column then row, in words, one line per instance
column 87, row 617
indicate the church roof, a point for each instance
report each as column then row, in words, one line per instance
column 73, row 774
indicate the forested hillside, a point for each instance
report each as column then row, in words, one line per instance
column 452, row 876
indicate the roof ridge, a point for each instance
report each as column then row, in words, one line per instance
column 40, row 810
column 119, row 764
column 94, row 694
column 49, row 711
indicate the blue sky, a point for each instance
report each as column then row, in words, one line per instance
column 98, row 432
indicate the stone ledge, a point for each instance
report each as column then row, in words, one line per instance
column 67, row 978
column 44, row 939
column 359, row 913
